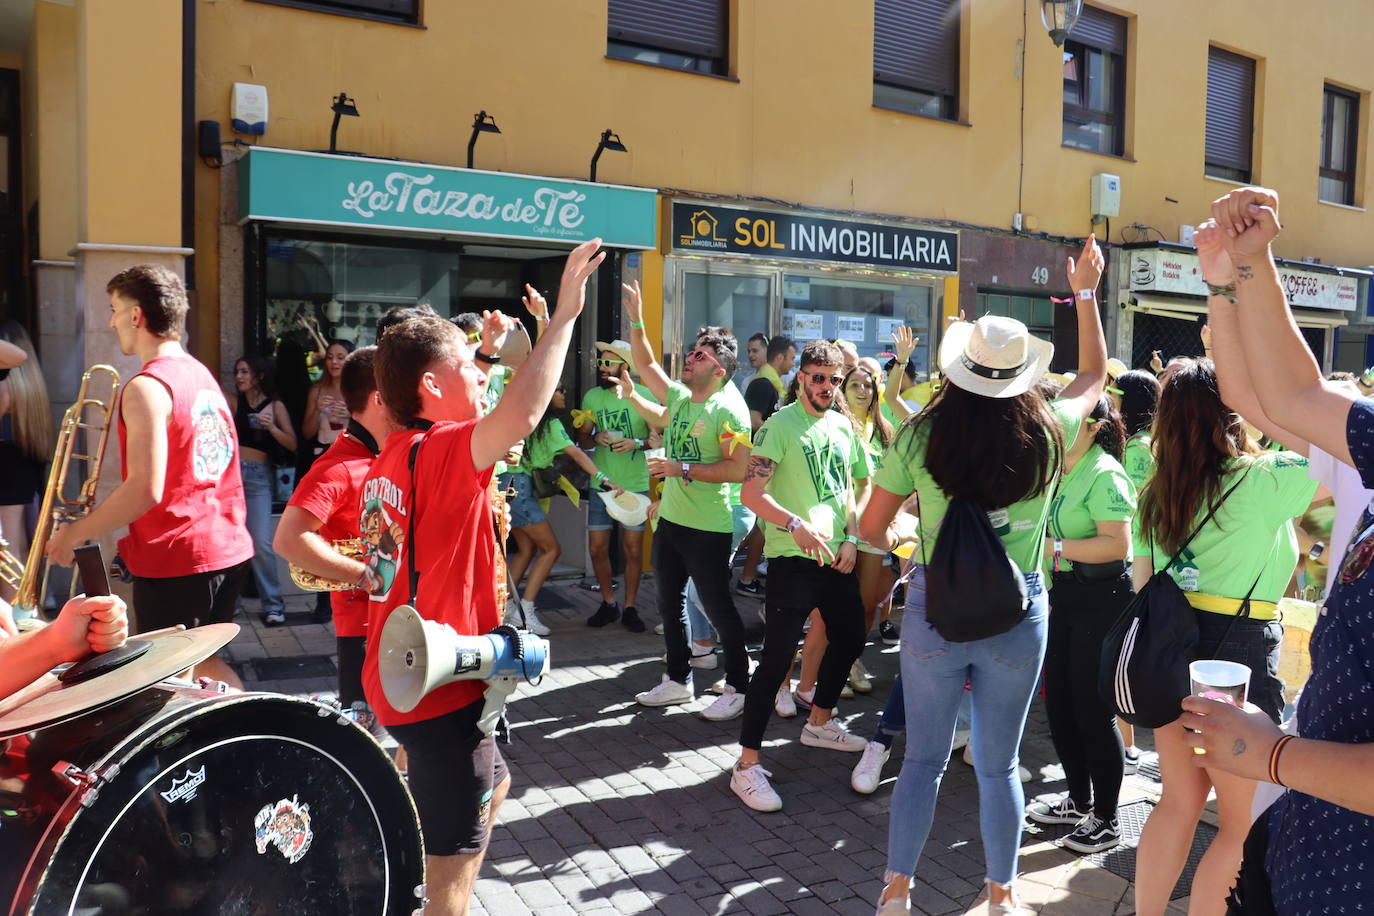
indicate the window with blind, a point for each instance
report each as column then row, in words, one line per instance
column 682, row 35
column 1095, row 83
column 916, row 56
column 1230, row 115
column 406, row 12
column 1340, row 126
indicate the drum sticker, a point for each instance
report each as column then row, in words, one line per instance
column 184, row 789
column 285, row 825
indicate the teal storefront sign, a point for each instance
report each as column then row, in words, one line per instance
column 317, row 188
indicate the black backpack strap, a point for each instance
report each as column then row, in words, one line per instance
column 1198, row 530
column 425, row 425
column 1242, row 611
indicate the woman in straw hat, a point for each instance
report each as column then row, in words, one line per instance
column 990, row 437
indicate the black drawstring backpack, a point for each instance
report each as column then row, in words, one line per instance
column 974, row 589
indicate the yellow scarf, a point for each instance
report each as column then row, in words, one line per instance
column 581, row 418
column 733, row 438
column 768, row 372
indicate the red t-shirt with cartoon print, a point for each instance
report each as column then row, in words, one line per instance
column 329, row 491
column 456, row 557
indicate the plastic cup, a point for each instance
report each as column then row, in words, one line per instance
column 655, row 453
column 1214, row 679
column 614, row 434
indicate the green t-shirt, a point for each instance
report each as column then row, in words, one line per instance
column 817, row 461
column 628, row 469
column 1096, row 490
column 543, row 444
column 1021, row 525
column 1138, row 461
column 1250, row 536
column 496, row 384
column 694, row 436
column 736, row 398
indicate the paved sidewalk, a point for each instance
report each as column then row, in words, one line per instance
column 619, row 809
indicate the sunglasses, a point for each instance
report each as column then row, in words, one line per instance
column 609, row 363
column 820, row 378
column 699, row 354
column 474, row 337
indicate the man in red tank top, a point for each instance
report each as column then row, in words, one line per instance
column 181, row 496
column 428, row 378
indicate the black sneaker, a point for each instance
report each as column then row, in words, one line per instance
column 324, row 612
column 1063, row 811
column 1094, row 835
column 631, row 620
column 749, row 589
column 888, row 631
column 607, row 613
column 1131, row 762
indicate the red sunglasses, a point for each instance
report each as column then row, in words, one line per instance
column 699, row 354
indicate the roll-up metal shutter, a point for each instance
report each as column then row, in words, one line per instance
column 695, row 27
column 916, row 44
column 1230, row 109
column 1100, row 29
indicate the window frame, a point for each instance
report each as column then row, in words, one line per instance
column 345, row 9
column 894, row 94
column 1114, row 119
column 1352, row 144
column 621, row 47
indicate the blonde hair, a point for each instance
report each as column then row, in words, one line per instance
column 33, row 425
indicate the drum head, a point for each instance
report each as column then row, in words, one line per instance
column 241, row 804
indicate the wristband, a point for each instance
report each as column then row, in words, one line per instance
column 490, row 360
column 1225, row 290
column 793, row 524
column 1058, row 552
column 851, row 539
column 1274, row 756
column 1086, row 294
column 686, row 472
column 639, row 444
column 637, row 325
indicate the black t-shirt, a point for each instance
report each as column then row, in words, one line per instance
column 761, row 396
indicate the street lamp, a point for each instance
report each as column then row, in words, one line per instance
column 343, row 105
column 1059, row 17
column 482, row 123
column 609, row 141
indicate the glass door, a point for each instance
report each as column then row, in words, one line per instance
column 742, row 299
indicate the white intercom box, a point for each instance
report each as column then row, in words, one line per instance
column 1106, row 195
column 248, row 109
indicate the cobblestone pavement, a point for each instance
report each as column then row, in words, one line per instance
column 616, row 808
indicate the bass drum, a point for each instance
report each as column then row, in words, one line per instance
column 177, row 800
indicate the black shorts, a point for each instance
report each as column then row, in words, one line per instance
column 193, row 600
column 1253, row 643
column 454, row 771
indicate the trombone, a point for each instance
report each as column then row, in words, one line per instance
column 90, row 413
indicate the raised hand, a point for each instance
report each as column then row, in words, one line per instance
column 572, row 288
column 1212, row 255
column 1086, row 271
column 495, row 327
column 1156, row 364
column 535, row 303
column 634, row 303
column 1248, row 219
column 904, row 343
column 624, row 387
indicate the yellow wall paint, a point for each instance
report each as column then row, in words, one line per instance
column 50, row 62
column 129, row 122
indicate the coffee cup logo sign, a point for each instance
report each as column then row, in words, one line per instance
column 1178, row 272
column 547, row 210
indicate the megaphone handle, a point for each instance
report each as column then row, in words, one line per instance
column 95, row 577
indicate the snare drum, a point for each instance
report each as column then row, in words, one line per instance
column 177, row 800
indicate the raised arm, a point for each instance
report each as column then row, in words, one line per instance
column 649, row 370
column 1084, row 275
column 904, row 344
column 524, row 399
column 1291, row 389
column 656, row 415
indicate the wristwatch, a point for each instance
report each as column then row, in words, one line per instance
column 489, row 360
column 793, row 524
column 686, row 472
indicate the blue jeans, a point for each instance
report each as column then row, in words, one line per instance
column 257, row 491
column 698, row 627
column 1003, row 671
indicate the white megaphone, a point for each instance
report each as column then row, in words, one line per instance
column 416, row 655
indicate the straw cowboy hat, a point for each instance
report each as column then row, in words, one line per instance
column 619, row 348
column 1115, row 367
column 994, row 357
column 628, row 508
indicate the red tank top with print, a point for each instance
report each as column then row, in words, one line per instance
column 199, row 524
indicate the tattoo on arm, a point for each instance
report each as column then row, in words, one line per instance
column 759, row 468
column 1238, row 748
column 1244, row 272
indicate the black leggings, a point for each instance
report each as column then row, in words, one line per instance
column 796, row 585
column 352, row 650
column 681, row 553
column 1082, row 726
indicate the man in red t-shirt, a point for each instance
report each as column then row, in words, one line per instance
column 182, row 497
column 435, row 516
column 324, row 509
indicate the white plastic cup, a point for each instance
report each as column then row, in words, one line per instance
column 1214, row 679
column 655, row 453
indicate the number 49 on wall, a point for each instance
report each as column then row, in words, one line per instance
column 1040, row 276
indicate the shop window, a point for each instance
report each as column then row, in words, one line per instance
column 406, row 12
column 682, row 35
column 916, row 56
column 1095, row 83
column 1230, row 115
column 862, row 311
column 1340, row 127
column 739, row 303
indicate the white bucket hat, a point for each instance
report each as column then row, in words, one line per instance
column 994, row 357
column 627, row 508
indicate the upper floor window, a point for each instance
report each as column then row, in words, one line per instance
column 1230, row 115
column 402, row 11
column 683, row 34
column 1095, row 83
column 916, row 56
column 1340, row 126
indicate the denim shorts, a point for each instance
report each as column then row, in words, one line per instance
column 598, row 519
column 524, row 508
column 1253, row 643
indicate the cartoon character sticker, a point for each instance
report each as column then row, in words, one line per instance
column 213, row 448
column 285, row 825
column 384, row 539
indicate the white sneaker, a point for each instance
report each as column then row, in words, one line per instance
column 896, row 906
column 832, row 735
column 532, row 621
column 961, row 739
column 1022, row 773
column 658, row 629
column 729, row 705
column 859, row 679
column 666, row 693
column 846, row 692
column 784, row 705
column 868, row 772
column 751, row 785
column 706, row 659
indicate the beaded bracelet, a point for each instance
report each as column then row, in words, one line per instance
column 1226, row 290
column 1274, row 756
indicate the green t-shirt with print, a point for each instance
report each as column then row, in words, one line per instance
column 817, row 461
column 694, row 436
column 1096, row 490
column 628, row 469
column 543, row 444
column 1021, row 526
column 1250, row 538
column 497, row 376
column 1137, row 460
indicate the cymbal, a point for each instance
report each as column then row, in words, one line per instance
column 48, row 701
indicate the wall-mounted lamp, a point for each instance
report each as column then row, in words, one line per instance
column 609, row 141
column 482, row 123
column 1059, row 17
column 343, row 105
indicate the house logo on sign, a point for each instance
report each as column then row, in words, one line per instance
column 703, row 232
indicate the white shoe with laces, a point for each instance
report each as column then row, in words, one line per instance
column 729, row 705
column 868, row 772
column 532, row 621
column 832, row 736
column 859, row 679
column 783, row 704
column 666, row 693
column 752, row 786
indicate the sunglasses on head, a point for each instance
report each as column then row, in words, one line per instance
column 820, row 378
column 699, row 354
column 604, row 363
column 474, row 337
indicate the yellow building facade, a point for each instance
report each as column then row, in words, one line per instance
column 783, row 145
